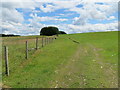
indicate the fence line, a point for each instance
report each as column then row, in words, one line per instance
column 45, row 41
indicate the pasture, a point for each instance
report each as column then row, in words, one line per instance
column 85, row 60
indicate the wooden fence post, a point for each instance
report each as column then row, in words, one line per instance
column 6, row 61
column 49, row 40
column 36, row 43
column 42, row 42
column 26, row 50
column 45, row 40
column 52, row 39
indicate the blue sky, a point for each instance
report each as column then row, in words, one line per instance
column 71, row 16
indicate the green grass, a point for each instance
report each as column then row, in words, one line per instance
column 63, row 63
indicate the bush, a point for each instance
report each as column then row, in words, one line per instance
column 62, row 32
column 49, row 31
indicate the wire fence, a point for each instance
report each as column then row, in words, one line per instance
column 16, row 50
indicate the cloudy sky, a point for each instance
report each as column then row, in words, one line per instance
column 27, row 17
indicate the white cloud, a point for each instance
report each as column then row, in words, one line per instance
column 94, row 11
column 58, row 4
column 93, row 27
column 46, row 18
column 11, row 15
column 70, row 4
column 10, row 27
column 48, row 8
column 51, row 18
column 111, row 18
column 18, row 4
column 21, row 29
column 70, row 28
column 9, row 12
column 12, row 19
column 102, row 0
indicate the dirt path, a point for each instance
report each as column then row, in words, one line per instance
column 86, row 69
column 4, row 86
column 107, row 68
column 66, row 73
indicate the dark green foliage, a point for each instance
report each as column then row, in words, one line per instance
column 62, row 32
column 8, row 35
column 49, row 31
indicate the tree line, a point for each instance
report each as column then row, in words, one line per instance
column 8, row 35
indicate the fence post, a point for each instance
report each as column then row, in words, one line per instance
column 6, row 61
column 26, row 50
column 48, row 40
column 42, row 42
column 36, row 43
column 52, row 39
column 45, row 41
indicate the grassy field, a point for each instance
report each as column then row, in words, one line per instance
column 64, row 63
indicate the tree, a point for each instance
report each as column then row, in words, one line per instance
column 49, row 31
column 62, row 32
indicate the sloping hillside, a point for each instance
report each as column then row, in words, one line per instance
column 86, row 60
